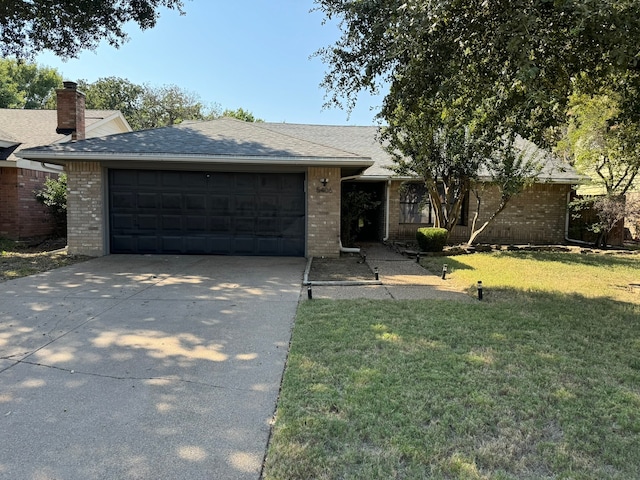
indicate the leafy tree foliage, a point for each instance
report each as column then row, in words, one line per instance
column 605, row 147
column 241, row 114
column 170, row 104
column 503, row 63
column 53, row 195
column 68, row 27
column 27, row 85
column 145, row 106
column 465, row 77
column 600, row 144
column 114, row 93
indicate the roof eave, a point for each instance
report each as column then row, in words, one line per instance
column 63, row 158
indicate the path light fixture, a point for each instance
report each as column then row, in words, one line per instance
column 309, row 293
column 444, row 271
column 418, row 257
column 479, row 290
column 375, row 273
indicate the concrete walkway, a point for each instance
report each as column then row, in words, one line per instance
column 401, row 278
column 144, row 367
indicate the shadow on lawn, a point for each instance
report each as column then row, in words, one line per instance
column 617, row 258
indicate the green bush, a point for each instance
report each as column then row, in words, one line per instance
column 53, row 195
column 432, row 239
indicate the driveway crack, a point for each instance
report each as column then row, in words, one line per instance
column 129, row 377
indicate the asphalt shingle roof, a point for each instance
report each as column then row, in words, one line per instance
column 234, row 139
column 221, row 137
column 33, row 128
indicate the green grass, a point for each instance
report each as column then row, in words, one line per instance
column 536, row 382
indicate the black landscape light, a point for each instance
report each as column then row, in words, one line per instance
column 375, row 273
column 444, row 271
column 479, row 290
column 309, row 292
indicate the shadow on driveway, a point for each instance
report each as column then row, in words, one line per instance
column 144, row 367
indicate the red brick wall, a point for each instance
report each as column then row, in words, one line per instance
column 21, row 216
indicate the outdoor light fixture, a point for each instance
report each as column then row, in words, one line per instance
column 444, row 271
column 324, row 188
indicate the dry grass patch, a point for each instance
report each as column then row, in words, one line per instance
column 20, row 261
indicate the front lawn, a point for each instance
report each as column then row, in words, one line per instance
column 537, row 381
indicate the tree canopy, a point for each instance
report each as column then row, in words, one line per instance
column 510, row 63
column 27, row 85
column 68, row 27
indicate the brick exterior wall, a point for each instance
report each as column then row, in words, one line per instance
column 85, row 209
column 21, row 216
column 323, row 213
column 536, row 216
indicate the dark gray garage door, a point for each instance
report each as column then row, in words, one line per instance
column 206, row 212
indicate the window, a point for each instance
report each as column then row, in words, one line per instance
column 415, row 205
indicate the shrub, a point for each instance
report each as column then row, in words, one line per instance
column 53, row 195
column 432, row 239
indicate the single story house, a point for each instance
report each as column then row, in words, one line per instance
column 21, row 217
column 231, row 187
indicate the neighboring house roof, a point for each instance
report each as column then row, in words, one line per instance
column 32, row 128
column 224, row 140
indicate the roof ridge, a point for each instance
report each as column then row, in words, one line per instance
column 313, row 142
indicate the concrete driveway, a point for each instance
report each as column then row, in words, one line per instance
column 144, row 367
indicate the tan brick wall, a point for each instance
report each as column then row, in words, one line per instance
column 85, row 209
column 538, row 215
column 21, row 216
column 323, row 213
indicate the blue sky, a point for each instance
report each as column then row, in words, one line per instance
column 253, row 54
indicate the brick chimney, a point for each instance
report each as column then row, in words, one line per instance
column 71, row 111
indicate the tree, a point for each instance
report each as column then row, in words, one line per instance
column 27, row 85
column 114, row 93
column 605, row 148
column 66, row 28
column 145, row 106
column 511, row 169
column 445, row 155
column 449, row 156
column 53, row 195
column 600, row 144
column 241, row 114
column 467, row 74
column 169, row 105
column 505, row 63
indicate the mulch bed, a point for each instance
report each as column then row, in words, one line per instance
column 349, row 267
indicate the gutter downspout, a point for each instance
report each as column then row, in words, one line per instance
column 386, row 212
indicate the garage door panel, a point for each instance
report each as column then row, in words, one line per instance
column 171, row 223
column 124, row 200
column 123, row 222
column 220, row 225
column 196, row 201
column 197, row 223
column 147, row 223
column 206, row 212
column 147, row 200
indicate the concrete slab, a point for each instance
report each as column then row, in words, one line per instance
column 144, row 367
